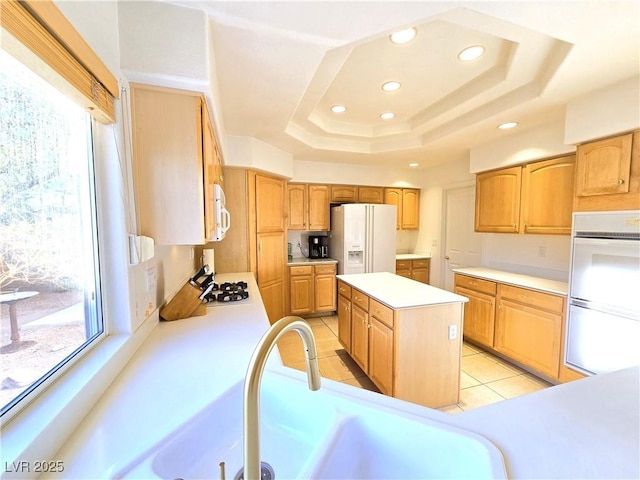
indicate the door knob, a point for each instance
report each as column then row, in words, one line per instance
column 446, row 257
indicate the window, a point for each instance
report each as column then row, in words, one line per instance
column 49, row 277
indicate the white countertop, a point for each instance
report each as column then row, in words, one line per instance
column 295, row 261
column 585, row 429
column 534, row 283
column 412, row 256
column 400, row 292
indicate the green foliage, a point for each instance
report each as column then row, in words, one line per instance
column 43, row 178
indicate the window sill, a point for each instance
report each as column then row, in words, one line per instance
column 38, row 431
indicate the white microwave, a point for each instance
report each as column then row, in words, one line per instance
column 222, row 218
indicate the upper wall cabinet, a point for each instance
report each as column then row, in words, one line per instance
column 608, row 174
column 534, row 198
column 344, row 193
column 175, row 163
column 308, row 207
column 408, row 202
column 370, row 194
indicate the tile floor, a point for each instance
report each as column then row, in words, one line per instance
column 484, row 378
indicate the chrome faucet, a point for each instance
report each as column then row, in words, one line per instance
column 254, row 378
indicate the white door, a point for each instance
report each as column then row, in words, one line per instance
column 462, row 246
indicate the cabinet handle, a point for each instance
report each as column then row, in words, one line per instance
column 620, row 182
column 525, row 227
column 368, row 325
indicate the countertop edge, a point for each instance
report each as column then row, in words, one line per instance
column 539, row 284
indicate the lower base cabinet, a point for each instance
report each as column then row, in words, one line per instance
column 406, row 353
column 524, row 325
column 312, row 289
column 417, row 270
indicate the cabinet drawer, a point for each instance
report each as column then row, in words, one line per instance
column 360, row 299
column 477, row 284
column 344, row 290
column 424, row 263
column 325, row 269
column 403, row 264
column 301, row 270
column 541, row 300
column 381, row 312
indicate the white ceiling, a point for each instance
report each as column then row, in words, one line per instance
column 282, row 65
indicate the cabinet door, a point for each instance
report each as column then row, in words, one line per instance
column 393, row 196
column 547, row 196
column 529, row 335
column 301, row 288
column 344, row 193
column 479, row 315
column 381, row 356
column 498, row 200
column 211, row 171
column 325, row 293
column 604, row 167
column 270, row 195
column 344, row 322
column 420, row 275
column 410, row 209
column 360, row 337
column 271, row 272
column 168, row 165
column 319, row 207
column 297, row 206
column 370, row 194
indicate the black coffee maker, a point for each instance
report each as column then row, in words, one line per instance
column 318, row 246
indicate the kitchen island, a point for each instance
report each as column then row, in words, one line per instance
column 405, row 335
column 586, row 429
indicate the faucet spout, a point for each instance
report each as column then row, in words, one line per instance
column 254, row 378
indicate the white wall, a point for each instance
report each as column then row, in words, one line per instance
column 347, row 174
column 249, row 152
column 519, row 147
column 605, row 112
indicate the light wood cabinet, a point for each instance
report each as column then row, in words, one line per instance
column 270, row 194
column 529, row 328
column 407, row 200
column 175, row 164
column 312, row 289
column 479, row 311
column 417, row 270
column 344, row 315
column 360, row 337
column 344, row 194
column 608, row 174
column 381, row 355
column 535, row 198
column 370, row 194
column 308, row 207
column 498, row 201
column 301, row 289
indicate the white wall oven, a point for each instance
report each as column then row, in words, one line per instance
column 603, row 329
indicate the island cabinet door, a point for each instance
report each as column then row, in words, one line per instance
column 381, row 356
column 344, row 322
column 360, row 337
column 479, row 315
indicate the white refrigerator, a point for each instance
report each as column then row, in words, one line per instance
column 363, row 238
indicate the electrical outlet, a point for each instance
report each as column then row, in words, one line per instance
column 453, row 332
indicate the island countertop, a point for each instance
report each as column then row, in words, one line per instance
column 400, row 292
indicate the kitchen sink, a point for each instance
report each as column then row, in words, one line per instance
column 375, row 445
column 322, row 435
column 296, row 426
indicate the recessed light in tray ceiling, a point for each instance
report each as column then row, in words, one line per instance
column 403, row 36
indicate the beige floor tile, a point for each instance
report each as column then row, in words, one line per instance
column 485, row 370
column 515, row 386
column 467, row 380
column 291, row 351
column 506, row 364
column 332, row 323
column 362, row 382
column 451, row 409
column 339, row 367
column 329, row 346
column 478, row 396
column 314, row 321
column 537, row 380
column 468, row 349
column 322, row 332
column 297, row 365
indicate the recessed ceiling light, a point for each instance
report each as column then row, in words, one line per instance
column 403, row 36
column 508, row 125
column 387, row 115
column 338, row 109
column 390, row 86
column 414, row 164
column 471, row 53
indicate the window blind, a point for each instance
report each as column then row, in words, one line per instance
column 45, row 31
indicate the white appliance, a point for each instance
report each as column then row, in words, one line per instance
column 363, row 238
column 603, row 325
column 222, row 218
